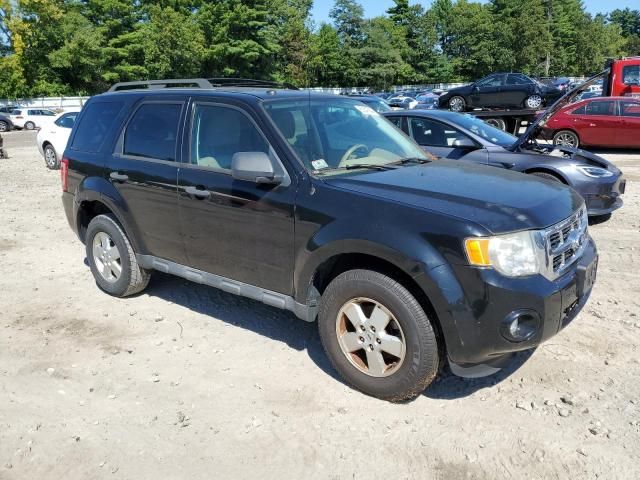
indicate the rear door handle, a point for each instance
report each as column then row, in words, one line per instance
column 198, row 192
column 118, row 177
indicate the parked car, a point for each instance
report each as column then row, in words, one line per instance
column 402, row 102
column 500, row 90
column 6, row 125
column 459, row 136
column 7, row 109
column 316, row 204
column 427, row 101
column 52, row 138
column 561, row 83
column 375, row 102
column 589, row 94
column 596, row 122
column 30, row 118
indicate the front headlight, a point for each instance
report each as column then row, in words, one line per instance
column 594, row 172
column 513, row 255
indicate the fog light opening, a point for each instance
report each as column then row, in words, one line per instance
column 520, row 326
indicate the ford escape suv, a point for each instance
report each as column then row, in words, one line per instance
column 317, row 204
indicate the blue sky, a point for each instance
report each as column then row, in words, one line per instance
column 377, row 7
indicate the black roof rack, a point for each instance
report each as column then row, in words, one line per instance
column 198, row 83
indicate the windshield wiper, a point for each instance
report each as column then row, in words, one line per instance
column 371, row 166
column 404, row 161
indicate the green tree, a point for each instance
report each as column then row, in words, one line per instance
column 325, row 57
column 348, row 18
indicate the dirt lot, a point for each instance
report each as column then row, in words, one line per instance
column 185, row 381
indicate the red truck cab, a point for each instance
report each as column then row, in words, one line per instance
column 624, row 78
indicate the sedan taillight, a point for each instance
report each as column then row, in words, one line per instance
column 64, row 174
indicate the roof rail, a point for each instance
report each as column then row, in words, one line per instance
column 154, row 84
column 248, row 82
column 198, row 83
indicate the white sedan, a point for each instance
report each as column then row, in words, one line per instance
column 30, row 118
column 52, row 138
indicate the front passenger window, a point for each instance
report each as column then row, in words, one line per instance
column 218, row 133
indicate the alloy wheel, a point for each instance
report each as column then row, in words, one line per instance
column 370, row 337
column 106, row 257
column 534, row 102
column 50, row 157
column 456, row 104
column 566, row 139
column 4, row 127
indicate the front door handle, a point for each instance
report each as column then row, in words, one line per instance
column 118, row 177
column 198, row 192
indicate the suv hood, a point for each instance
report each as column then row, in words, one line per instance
column 499, row 200
column 536, row 126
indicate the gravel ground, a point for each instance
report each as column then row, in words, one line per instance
column 184, row 381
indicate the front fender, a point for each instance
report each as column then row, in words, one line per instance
column 98, row 189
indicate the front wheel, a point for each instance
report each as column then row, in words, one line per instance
column 566, row 138
column 112, row 260
column 29, row 126
column 4, row 126
column 377, row 335
column 457, row 104
column 533, row 102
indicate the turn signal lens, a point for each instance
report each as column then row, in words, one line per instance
column 478, row 251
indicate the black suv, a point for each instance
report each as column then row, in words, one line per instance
column 317, row 204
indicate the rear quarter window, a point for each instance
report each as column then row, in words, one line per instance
column 95, row 123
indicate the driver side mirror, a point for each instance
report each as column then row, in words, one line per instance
column 464, row 142
column 254, row 167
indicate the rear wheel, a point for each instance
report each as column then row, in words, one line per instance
column 51, row 157
column 4, row 126
column 566, row 138
column 112, row 260
column 533, row 102
column 377, row 335
column 457, row 104
column 29, row 126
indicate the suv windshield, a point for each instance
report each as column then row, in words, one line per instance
column 486, row 131
column 329, row 134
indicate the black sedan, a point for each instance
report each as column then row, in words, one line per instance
column 459, row 136
column 500, row 90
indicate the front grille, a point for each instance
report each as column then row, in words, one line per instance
column 565, row 241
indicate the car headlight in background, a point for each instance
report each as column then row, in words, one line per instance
column 514, row 255
column 594, row 172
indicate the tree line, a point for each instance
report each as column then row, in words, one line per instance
column 67, row 47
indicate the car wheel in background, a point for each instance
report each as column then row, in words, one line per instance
column 497, row 122
column 533, row 102
column 566, row 138
column 51, row 157
column 4, row 126
column 377, row 335
column 112, row 260
column 457, row 104
column 29, row 125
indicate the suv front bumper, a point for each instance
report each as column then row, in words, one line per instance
column 477, row 302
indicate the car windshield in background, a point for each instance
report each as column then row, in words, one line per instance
column 486, row 131
column 379, row 106
column 334, row 135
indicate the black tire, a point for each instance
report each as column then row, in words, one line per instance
column 29, row 126
column 457, row 104
column 4, row 126
column 51, row 159
column 566, row 138
column 421, row 360
column 547, row 176
column 133, row 278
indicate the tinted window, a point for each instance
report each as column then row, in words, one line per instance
column 33, row 112
column 600, row 108
column 397, row 121
column 517, row 79
column 47, row 113
column 579, row 111
column 16, row 112
column 153, row 131
column 630, row 109
column 220, row 132
column 97, row 119
column 432, row 133
column 631, row 75
column 491, row 81
column 67, row 120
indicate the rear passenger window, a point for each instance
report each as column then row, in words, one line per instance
column 600, row 108
column 97, row 119
column 219, row 133
column 579, row 111
column 153, row 131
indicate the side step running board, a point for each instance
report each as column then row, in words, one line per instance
column 278, row 300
